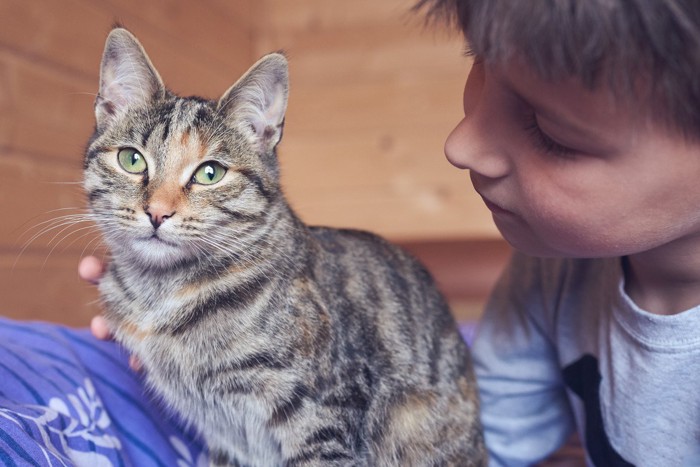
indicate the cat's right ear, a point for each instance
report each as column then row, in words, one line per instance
column 257, row 103
column 127, row 77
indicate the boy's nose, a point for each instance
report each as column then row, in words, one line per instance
column 468, row 147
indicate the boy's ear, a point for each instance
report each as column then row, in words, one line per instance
column 256, row 104
column 127, row 77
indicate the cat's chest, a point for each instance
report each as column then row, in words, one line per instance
column 145, row 305
column 181, row 374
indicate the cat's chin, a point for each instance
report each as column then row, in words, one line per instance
column 155, row 253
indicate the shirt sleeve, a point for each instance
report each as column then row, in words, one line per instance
column 525, row 410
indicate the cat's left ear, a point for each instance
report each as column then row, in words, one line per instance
column 256, row 104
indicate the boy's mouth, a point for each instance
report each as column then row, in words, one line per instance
column 493, row 207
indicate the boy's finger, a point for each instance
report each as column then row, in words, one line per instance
column 99, row 328
column 135, row 363
column 91, row 269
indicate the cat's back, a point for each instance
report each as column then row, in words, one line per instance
column 368, row 269
column 383, row 299
column 390, row 320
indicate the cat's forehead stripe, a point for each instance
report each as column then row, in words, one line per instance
column 183, row 116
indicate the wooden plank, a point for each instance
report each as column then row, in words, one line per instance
column 48, row 112
column 52, row 291
column 7, row 104
column 45, row 112
column 373, row 96
column 395, row 182
column 386, row 211
column 35, row 192
column 63, row 34
column 241, row 12
column 462, row 269
column 386, row 53
column 219, row 41
column 337, row 109
column 36, row 103
column 373, row 156
column 69, row 36
column 282, row 15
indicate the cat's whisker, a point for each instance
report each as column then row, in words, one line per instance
column 204, row 255
column 43, row 214
column 57, row 220
column 62, row 183
column 233, row 245
column 92, row 230
column 81, row 93
column 66, row 224
column 42, row 232
column 216, row 246
column 97, row 301
column 90, row 227
column 62, row 222
column 104, row 255
column 96, row 239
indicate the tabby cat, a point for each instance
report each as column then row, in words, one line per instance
column 283, row 344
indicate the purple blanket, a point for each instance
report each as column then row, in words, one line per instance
column 69, row 399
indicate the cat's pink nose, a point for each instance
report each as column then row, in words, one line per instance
column 158, row 213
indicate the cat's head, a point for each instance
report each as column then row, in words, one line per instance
column 173, row 179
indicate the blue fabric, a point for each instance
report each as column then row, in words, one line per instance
column 67, row 398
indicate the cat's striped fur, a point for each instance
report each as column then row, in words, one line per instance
column 283, row 344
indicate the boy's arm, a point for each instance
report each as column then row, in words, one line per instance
column 525, row 411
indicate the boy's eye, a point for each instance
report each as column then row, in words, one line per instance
column 209, row 173
column 131, row 160
column 544, row 142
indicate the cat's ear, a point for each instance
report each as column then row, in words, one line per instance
column 127, row 77
column 256, row 104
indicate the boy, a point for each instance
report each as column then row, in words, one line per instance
column 582, row 135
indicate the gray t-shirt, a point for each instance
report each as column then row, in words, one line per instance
column 562, row 346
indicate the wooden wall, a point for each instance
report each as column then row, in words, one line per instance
column 373, row 95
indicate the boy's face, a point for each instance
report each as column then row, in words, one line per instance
column 571, row 172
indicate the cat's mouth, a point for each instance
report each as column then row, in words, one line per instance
column 154, row 238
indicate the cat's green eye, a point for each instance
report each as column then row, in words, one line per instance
column 131, row 160
column 209, row 173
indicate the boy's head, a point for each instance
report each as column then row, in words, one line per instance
column 582, row 121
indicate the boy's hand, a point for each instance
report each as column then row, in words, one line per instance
column 92, row 269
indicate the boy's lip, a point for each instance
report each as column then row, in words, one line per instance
column 493, row 207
